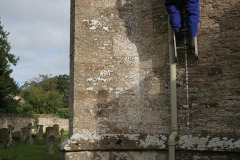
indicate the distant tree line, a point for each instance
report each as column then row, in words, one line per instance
column 45, row 94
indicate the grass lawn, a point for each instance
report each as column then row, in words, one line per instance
column 34, row 152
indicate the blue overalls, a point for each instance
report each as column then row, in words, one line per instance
column 192, row 12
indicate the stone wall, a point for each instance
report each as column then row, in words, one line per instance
column 120, row 82
column 49, row 120
column 214, row 81
column 20, row 121
column 16, row 120
column 119, row 74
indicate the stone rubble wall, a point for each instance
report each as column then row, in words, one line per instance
column 20, row 121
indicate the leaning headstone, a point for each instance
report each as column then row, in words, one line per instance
column 10, row 143
column 5, row 137
column 50, row 138
column 23, row 134
column 39, row 132
column 29, row 140
column 62, row 137
column 56, row 131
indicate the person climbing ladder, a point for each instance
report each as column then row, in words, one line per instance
column 192, row 14
column 184, row 18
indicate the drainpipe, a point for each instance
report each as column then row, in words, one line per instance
column 173, row 97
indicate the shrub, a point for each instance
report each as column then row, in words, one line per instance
column 63, row 113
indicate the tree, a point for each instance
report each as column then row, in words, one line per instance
column 46, row 94
column 8, row 87
column 63, row 88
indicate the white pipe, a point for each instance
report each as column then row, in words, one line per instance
column 173, row 97
column 172, row 145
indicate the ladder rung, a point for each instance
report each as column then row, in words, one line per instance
column 183, row 30
column 185, row 47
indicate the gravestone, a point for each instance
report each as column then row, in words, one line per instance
column 50, row 138
column 10, row 143
column 39, row 132
column 56, row 131
column 29, row 140
column 62, row 136
column 24, row 134
column 5, row 137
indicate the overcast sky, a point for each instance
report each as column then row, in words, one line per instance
column 39, row 36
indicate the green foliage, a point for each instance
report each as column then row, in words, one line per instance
column 66, row 133
column 25, row 108
column 8, row 87
column 45, row 94
column 63, row 113
column 63, row 88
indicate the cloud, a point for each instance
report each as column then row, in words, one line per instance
column 39, row 35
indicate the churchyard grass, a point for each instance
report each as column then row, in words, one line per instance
column 33, row 152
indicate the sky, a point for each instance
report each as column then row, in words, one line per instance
column 39, row 36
